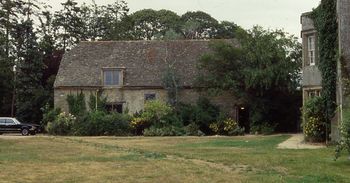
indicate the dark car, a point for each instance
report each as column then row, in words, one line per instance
column 12, row 125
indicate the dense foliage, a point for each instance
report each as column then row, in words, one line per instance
column 76, row 104
column 157, row 119
column 91, row 124
column 227, row 126
column 62, row 125
column 262, row 72
column 325, row 19
column 314, row 120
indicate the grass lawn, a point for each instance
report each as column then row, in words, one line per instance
column 168, row 159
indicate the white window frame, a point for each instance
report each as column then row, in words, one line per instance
column 311, row 49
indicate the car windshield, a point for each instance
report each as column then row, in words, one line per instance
column 16, row 121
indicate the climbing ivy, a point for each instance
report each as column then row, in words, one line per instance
column 325, row 20
column 76, row 103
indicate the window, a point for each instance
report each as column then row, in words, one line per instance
column 311, row 49
column 313, row 93
column 115, row 107
column 9, row 122
column 2, row 121
column 150, row 97
column 112, row 77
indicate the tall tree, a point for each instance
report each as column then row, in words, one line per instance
column 263, row 71
column 227, row 30
column 50, row 51
column 9, row 10
column 113, row 22
column 199, row 25
column 69, row 26
column 149, row 24
column 30, row 93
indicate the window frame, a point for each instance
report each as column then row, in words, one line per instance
column 313, row 93
column 119, row 70
column 147, row 96
column 311, row 49
column 113, row 107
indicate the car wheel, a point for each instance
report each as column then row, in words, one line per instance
column 25, row 132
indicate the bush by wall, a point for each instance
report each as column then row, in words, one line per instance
column 76, row 104
column 49, row 115
column 99, row 123
column 62, row 125
column 314, row 120
column 203, row 113
column 227, row 126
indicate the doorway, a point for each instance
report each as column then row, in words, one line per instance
column 243, row 118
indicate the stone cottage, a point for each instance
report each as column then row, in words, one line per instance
column 312, row 80
column 129, row 73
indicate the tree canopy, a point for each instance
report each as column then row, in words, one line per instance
column 262, row 69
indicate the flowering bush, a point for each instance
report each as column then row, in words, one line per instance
column 230, row 124
column 227, row 127
column 314, row 120
column 314, row 129
column 62, row 125
column 138, row 125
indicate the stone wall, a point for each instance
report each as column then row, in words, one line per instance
column 343, row 11
column 134, row 99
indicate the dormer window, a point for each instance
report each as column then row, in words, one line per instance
column 112, row 77
column 311, row 49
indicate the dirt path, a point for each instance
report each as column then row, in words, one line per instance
column 297, row 142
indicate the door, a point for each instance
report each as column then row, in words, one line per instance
column 243, row 118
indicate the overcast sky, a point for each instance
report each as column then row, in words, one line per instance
column 281, row 14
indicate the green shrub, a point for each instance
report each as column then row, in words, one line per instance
column 205, row 113
column 193, row 130
column 100, row 103
column 62, row 125
column 314, row 130
column 164, row 131
column 202, row 114
column 236, row 132
column 186, row 113
column 314, row 121
column 227, row 126
column 158, row 115
column 265, row 128
column 138, row 125
column 76, row 104
column 155, row 111
column 49, row 115
column 100, row 123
